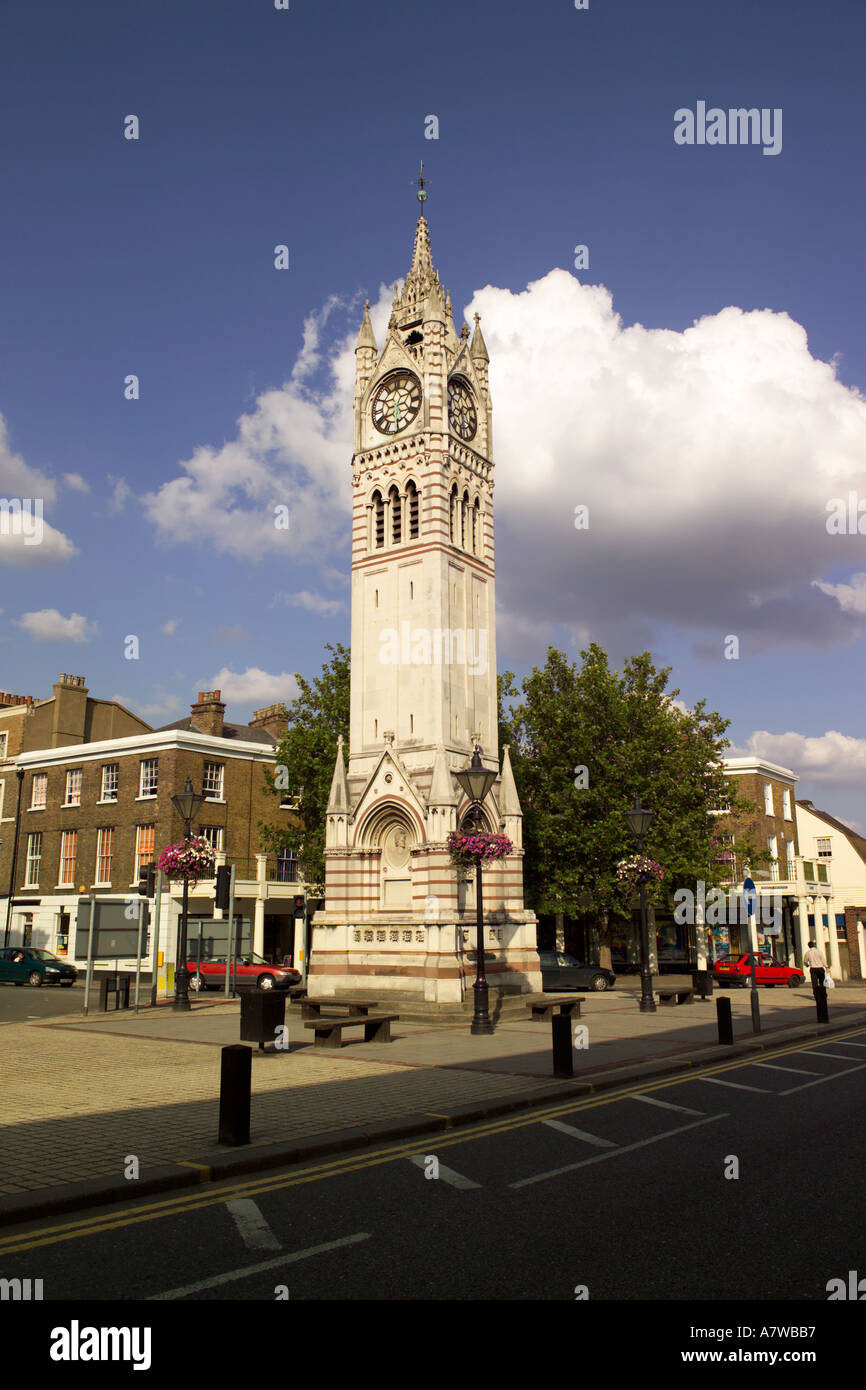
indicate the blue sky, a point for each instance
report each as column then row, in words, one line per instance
column 707, row 454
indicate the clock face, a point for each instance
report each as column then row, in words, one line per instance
column 461, row 409
column 396, row 402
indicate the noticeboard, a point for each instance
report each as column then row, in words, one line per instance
column 116, row 932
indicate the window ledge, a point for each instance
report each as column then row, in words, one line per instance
column 151, row 796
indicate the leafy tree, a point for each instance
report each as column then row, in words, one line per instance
column 585, row 741
column 307, row 753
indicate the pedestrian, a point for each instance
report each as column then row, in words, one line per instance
column 815, row 964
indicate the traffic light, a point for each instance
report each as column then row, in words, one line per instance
column 147, row 881
column 300, row 905
column 223, row 887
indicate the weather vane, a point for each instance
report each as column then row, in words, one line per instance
column 421, row 183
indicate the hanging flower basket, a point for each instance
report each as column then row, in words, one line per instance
column 638, row 869
column 477, row 847
column 191, row 859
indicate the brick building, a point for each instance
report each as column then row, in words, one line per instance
column 95, row 806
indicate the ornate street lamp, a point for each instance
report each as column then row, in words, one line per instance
column 639, row 819
column 476, row 781
column 186, row 803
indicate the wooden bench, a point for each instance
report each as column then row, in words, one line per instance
column 675, row 994
column 329, row 1031
column 312, row 1008
column 568, row 1004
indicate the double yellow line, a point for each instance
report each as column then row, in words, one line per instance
column 258, row 1186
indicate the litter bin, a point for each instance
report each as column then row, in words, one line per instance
column 114, row 986
column 704, row 983
column 262, row 1013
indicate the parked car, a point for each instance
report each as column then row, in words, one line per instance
column 30, row 965
column 561, row 971
column 250, row 970
column 737, row 970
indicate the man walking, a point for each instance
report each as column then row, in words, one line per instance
column 815, row 963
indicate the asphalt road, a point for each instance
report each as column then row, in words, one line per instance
column 17, row 1004
column 624, row 1193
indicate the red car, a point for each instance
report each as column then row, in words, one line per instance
column 250, row 971
column 737, row 970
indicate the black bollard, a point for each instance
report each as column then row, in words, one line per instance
column 756, row 1011
column 236, row 1067
column 724, row 1020
column 563, row 1056
column 821, row 1001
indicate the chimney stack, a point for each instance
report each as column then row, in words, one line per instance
column 208, row 713
column 273, row 718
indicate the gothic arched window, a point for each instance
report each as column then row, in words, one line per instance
column 452, row 517
column 378, row 525
column 464, row 508
column 412, row 510
column 476, row 527
column 396, row 516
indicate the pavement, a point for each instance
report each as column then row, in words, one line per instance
column 89, row 1101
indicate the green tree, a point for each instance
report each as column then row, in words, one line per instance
column 585, row 741
column 304, row 762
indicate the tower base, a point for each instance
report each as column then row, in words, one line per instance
column 422, row 961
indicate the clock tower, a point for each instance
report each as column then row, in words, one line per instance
column 398, row 915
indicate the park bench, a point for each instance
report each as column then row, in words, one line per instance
column 568, row 1004
column 329, row 1031
column 675, row 994
column 312, row 1008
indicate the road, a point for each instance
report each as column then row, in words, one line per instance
column 624, row 1193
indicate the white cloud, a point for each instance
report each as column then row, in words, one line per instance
column 313, row 603
column 851, row 598
column 707, row 459
column 120, row 494
column 291, row 450
column 159, row 711
column 252, row 686
column 75, row 482
column 831, row 758
column 47, row 625
column 19, row 481
column 170, row 628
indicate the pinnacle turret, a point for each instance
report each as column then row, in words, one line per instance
column 366, row 337
column 478, row 347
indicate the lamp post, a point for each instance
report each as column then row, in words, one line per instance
column 639, row 819
column 186, row 803
column 476, row 781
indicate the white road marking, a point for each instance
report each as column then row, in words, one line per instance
column 801, row 1071
column 837, row 1056
column 254, row 1229
column 831, row 1076
column 615, row 1153
column 665, row 1104
column 281, row 1260
column 737, row 1085
column 580, row 1134
column 846, row 1043
column 446, row 1174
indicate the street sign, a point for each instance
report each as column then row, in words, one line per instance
column 750, row 897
